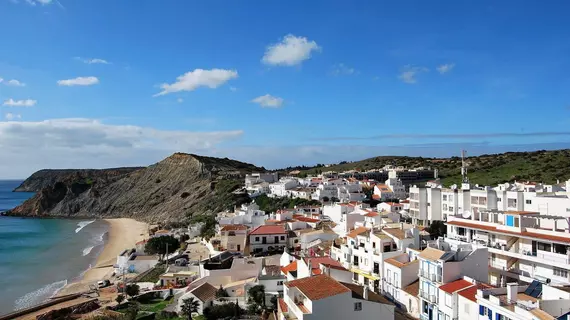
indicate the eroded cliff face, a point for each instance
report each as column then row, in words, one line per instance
column 49, row 177
column 167, row 191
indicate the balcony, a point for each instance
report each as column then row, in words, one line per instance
column 557, row 260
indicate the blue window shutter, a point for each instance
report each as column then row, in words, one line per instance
column 481, row 310
column 490, row 314
column 497, row 316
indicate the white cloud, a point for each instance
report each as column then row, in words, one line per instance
column 86, row 143
column 14, row 83
column 342, row 69
column 79, row 81
column 34, row 2
column 20, row 103
column 92, row 60
column 445, row 68
column 409, row 73
column 290, row 51
column 12, row 116
column 269, row 101
column 179, row 100
column 192, row 80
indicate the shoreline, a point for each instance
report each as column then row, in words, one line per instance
column 123, row 233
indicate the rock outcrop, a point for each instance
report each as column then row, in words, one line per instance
column 168, row 191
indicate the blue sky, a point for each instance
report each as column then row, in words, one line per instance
column 96, row 83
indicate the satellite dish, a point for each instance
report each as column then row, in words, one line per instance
column 466, row 214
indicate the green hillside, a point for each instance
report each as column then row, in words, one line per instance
column 539, row 166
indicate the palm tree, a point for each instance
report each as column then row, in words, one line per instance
column 190, row 306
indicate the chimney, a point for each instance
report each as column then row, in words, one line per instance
column 365, row 292
column 512, row 291
column 401, row 226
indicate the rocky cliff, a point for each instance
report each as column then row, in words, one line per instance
column 48, row 177
column 168, row 191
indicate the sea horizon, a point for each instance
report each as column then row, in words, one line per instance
column 38, row 256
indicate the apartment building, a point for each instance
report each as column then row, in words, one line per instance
column 399, row 273
column 281, row 187
column 425, row 205
column 522, row 245
column 537, row 301
column 322, row 297
column 441, row 263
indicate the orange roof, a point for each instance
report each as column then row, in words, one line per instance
column 233, row 227
column 357, row 231
column 404, row 201
column 318, row 287
column 282, row 305
column 316, row 271
column 471, row 292
column 290, row 267
column 375, row 197
column 327, row 261
column 524, row 233
column 371, row 214
column 455, row 286
column 265, row 230
column 521, row 213
column 305, row 219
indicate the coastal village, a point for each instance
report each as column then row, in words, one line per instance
column 389, row 243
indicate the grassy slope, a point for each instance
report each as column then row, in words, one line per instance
column 540, row 166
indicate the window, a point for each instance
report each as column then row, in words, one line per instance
column 358, row 306
column 279, row 283
column 560, row 272
column 512, row 203
column 560, row 248
column 499, row 199
column 445, row 207
column 446, row 317
column 296, row 240
column 448, row 299
column 355, row 276
column 256, row 238
column 544, row 246
column 528, row 201
column 366, row 281
column 282, row 238
column 450, row 208
column 444, row 197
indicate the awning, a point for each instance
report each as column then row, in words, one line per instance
column 365, row 274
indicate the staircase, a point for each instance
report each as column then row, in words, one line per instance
column 511, row 247
column 511, row 263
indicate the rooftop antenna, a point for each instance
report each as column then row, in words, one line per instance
column 465, row 179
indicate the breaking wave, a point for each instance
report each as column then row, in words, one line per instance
column 87, row 250
column 82, row 225
column 40, row 295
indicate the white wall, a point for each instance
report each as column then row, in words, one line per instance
column 341, row 306
column 467, row 309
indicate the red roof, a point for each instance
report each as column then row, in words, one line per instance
column 455, row 286
column 310, row 220
column 357, row 231
column 233, row 227
column 318, row 287
column 471, row 292
column 404, row 201
column 282, row 305
column 524, row 233
column 327, row 261
column 265, row 230
column 290, row 267
column 371, row 214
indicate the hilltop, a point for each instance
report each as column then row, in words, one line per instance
column 168, row 191
column 489, row 169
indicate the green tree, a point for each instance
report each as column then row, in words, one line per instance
column 256, row 299
column 437, row 229
column 208, row 228
column 162, row 245
column 120, row 298
column 132, row 290
column 132, row 311
column 325, row 199
column 223, row 311
column 189, row 306
column 334, row 199
column 222, row 293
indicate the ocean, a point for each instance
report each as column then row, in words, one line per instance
column 38, row 257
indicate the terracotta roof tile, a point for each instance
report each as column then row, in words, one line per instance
column 396, row 233
column 431, row 254
column 318, row 287
column 413, row 288
column 206, row 292
column 358, row 293
column 290, row 267
column 471, row 292
column 371, row 214
column 357, row 231
column 283, row 305
column 457, row 285
column 265, row 230
column 394, row 262
column 310, row 220
column 327, row 261
column 233, row 227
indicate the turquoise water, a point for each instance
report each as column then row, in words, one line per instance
column 40, row 256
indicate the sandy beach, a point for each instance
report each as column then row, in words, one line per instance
column 123, row 234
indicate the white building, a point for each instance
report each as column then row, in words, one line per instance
column 267, row 238
column 396, row 185
column 248, row 214
column 400, row 272
column 321, row 297
column 281, row 187
column 444, row 264
column 522, row 245
column 255, row 178
column 390, row 207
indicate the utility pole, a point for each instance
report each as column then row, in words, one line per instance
column 167, row 255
